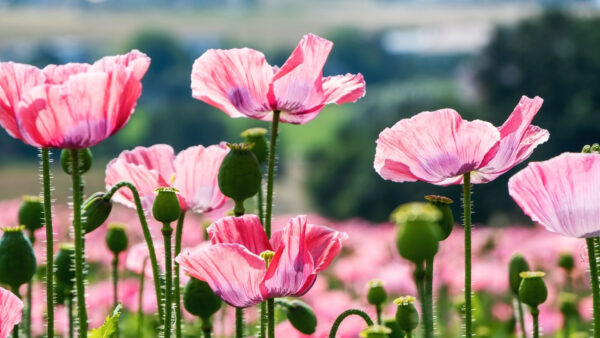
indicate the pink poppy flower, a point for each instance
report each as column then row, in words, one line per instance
column 236, row 271
column 439, row 147
column 240, row 82
column 561, row 193
column 193, row 172
column 76, row 105
column 10, row 312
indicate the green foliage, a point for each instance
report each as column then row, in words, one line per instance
column 110, row 327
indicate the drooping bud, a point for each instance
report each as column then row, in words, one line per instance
column 94, row 211
column 419, row 231
column 301, row 315
column 65, row 264
column 586, row 149
column 17, row 260
column 566, row 261
column 239, row 175
column 376, row 294
column 31, row 213
column 407, row 316
column 85, row 160
column 447, row 221
column 517, row 265
column 532, row 290
column 166, row 207
column 568, row 304
column 116, row 238
column 375, row 331
column 257, row 136
column 595, row 148
column 390, row 322
column 200, row 300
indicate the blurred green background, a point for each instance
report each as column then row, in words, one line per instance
column 477, row 57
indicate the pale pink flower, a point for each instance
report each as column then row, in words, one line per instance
column 241, row 83
column 10, row 312
column 439, row 147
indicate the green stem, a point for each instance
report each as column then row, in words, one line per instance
column 239, row 322
column 206, row 327
column 595, row 287
column 15, row 334
column 140, row 312
column 378, row 312
column 176, row 283
column 567, row 327
column 521, row 317
column 70, row 313
column 271, row 317
column 47, row 192
column 29, row 292
column 429, row 324
column 77, row 229
column 467, row 224
column 147, row 238
column 259, row 204
column 409, row 335
column 115, row 278
column 338, row 321
column 535, row 313
column 271, row 172
column 419, row 276
column 167, row 231
column 264, row 318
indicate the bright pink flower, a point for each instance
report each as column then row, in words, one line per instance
column 193, row 172
column 439, row 147
column 240, row 82
column 561, row 193
column 235, row 271
column 76, row 105
column 10, row 312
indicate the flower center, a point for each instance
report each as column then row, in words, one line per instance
column 267, row 255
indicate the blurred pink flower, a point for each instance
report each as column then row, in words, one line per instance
column 439, row 147
column 235, row 271
column 241, row 83
column 10, row 312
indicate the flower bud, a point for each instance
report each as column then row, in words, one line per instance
column 116, row 238
column 65, row 264
column 447, row 221
column 376, row 294
column 566, row 261
column 375, row 331
column 419, row 231
column 517, row 265
column 407, row 316
column 568, row 304
column 595, row 148
column 532, row 290
column 94, row 211
column 17, row 260
column 395, row 332
column 166, row 207
column 61, row 291
column 31, row 213
column 239, row 175
column 586, row 149
column 85, row 160
column 257, row 136
column 301, row 315
column 200, row 300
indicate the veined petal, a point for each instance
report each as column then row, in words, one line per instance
column 57, row 74
column 561, row 194
column 324, row 244
column 244, row 230
column 11, row 308
column 135, row 61
column 344, row 88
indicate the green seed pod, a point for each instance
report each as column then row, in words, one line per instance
column 517, row 265
column 94, row 211
column 116, row 238
column 301, row 316
column 566, row 261
column 375, row 331
column 166, row 207
column 61, row 291
column 390, row 322
column 568, row 304
column 240, row 175
column 85, row 160
column 407, row 316
column 447, row 221
column 200, row 300
column 532, row 290
column 17, row 260
column 31, row 213
column 257, row 136
column 65, row 264
column 419, row 231
column 376, row 294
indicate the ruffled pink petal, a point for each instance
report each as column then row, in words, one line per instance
column 196, row 179
column 561, row 194
column 11, row 308
column 235, row 81
column 244, row 230
column 324, row 244
column 231, row 271
column 135, row 61
column 436, row 147
column 15, row 81
column 344, row 88
column 57, row 74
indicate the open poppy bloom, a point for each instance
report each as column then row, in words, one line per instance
column 561, row 194
column 193, row 172
column 240, row 82
column 244, row 268
column 439, row 147
column 71, row 106
column 10, row 312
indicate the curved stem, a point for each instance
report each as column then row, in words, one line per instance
column 595, row 286
column 239, row 322
column 70, row 313
column 176, row 283
column 167, row 231
column 147, row 238
column 429, row 323
column 467, row 224
column 77, row 229
column 271, row 317
column 338, row 321
column 47, row 198
column 271, row 172
column 264, row 318
column 521, row 317
column 29, row 292
column 140, row 312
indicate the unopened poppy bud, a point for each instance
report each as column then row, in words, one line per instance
column 390, row 322
column 116, row 238
column 94, row 211
column 568, row 304
column 376, row 294
column 17, row 260
column 595, row 148
column 566, row 261
column 443, row 205
column 517, row 265
column 407, row 316
column 239, row 175
column 375, row 331
column 166, row 207
column 85, row 160
column 301, row 315
column 200, row 300
column 31, row 213
column 257, row 136
column 419, row 231
column 586, row 149
column 65, row 264
column 532, row 290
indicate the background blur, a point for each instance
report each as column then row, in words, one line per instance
column 478, row 57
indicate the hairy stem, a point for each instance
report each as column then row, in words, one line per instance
column 140, row 312
column 271, row 317
column 467, row 224
column 259, row 204
column 29, row 292
column 47, row 198
column 167, row 231
column 176, row 283
column 271, row 172
column 70, row 313
column 239, row 322
column 428, row 307
column 338, row 321
column 595, row 287
column 264, row 318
